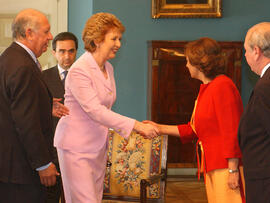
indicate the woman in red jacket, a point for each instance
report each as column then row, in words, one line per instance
column 214, row 123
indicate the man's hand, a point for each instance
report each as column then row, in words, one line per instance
column 59, row 109
column 48, row 175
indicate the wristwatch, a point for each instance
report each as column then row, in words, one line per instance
column 233, row 171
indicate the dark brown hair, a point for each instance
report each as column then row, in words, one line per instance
column 63, row 36
column 205, row 54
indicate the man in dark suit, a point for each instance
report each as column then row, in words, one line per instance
column 26, row 113
column 254, row 127
column 65, row 46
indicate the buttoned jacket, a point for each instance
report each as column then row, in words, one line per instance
column 89, row 97
column 217, row 115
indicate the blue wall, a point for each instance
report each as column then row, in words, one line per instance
column 78, row 13
column 131, row 61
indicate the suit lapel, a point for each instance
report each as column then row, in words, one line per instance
column 266, row 76
column 107, row 82
column 251, row 95
column 34, row 66
column 57, row 81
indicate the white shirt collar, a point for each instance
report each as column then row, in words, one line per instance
column 61, row 70
column 265, row 69
column 28, row 51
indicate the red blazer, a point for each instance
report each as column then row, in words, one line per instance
column 217, row 115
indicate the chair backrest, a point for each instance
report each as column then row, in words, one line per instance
column 132, row 160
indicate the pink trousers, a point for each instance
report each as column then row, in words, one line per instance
column 82, row 175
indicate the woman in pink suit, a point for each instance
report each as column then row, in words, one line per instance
column 81, row 136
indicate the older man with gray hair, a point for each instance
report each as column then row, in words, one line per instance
column 26, row 107
column 254, row 127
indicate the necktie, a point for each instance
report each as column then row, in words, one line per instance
column 64, row 78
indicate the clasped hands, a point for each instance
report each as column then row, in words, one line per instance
column 147, row 129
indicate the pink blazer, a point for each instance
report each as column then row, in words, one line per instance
column 89, row 97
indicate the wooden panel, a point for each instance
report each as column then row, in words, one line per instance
column 172, row 91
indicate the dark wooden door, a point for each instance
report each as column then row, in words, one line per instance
column 172, row 92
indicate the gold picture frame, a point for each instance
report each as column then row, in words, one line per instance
column 186, row 9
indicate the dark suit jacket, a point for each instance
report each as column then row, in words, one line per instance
column 25, row 118
column 254, row 131
column 56, row 87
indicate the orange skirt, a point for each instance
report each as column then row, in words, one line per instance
column 216, row 182
column 217, row 189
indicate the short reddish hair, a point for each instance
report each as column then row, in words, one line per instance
column 97, row 26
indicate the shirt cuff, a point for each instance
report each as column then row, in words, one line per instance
column 44, row 167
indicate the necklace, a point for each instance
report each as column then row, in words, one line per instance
column 102, row 68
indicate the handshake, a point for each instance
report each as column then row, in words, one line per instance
column 148, row 129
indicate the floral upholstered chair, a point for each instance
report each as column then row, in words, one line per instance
column 137, row 169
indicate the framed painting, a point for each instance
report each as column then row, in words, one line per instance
column 186, row 9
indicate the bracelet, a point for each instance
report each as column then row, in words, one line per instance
column 233, row 171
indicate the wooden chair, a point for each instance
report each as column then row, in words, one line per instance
column 136, row 170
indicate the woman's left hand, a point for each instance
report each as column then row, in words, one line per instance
column 233, row 180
